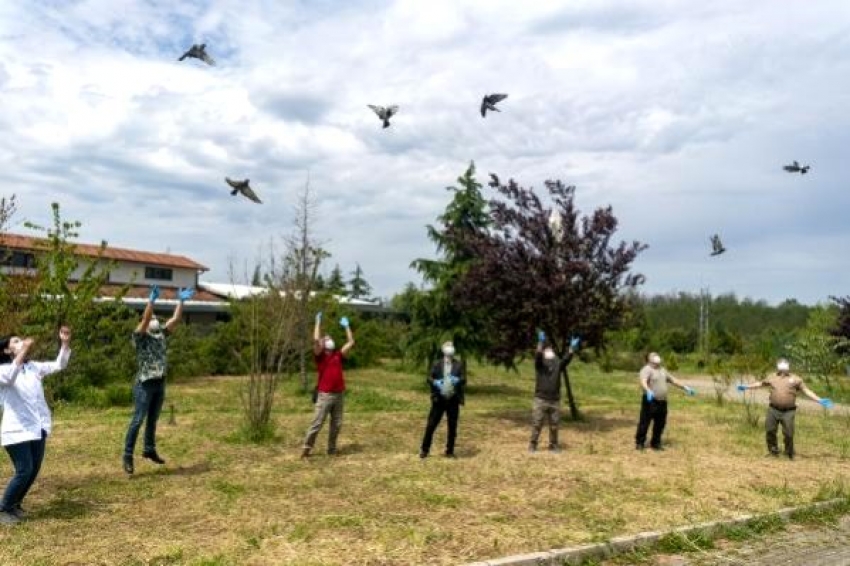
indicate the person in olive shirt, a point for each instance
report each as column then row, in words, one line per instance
column 782, row 405
column 547, row 391
column 653, row 406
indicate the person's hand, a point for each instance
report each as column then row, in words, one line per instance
column 454, row 379
column 319, row 317
column 541, row 336
column 741, row 387
column 185, row 294
column 650, row 396
column 826, row 403
column 27, row 344
column 154, row 293
column 438, row 383
column 574, row 342
column 344, row 322
column 64, row 337
column 690, row 390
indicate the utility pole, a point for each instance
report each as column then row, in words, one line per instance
column 702, row 334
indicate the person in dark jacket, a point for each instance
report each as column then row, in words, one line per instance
column 446, row 381
column 547, row 391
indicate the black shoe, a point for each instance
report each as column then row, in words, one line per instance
column 555, row 449
column 658, row 448
column 18, row 512
column 772, row 455
column 423, row 455
column 640, row 447
column 790, row 456
column 128, row 464
column 153, row 457
column 450, row 455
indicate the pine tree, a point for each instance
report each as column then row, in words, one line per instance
column 358, row 287
column 335, row 283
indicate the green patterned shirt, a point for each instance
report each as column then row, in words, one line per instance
column 150, row 355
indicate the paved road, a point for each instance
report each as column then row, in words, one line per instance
column 797, row 545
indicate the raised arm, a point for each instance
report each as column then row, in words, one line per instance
column 349, row 337
column 182, row 295
column 44, row 369
column 148, row 314
column 574, row 344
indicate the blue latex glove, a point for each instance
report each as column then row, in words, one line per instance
column 574, row 342
column 186, row 294
column 344, row 322
column 690, row 391
column 541, row 336
column 319, row 317
column 650, row 396
column 826, row 403
column 454, row 380
column 438, row 383
column 154, row 293
column 741, row 387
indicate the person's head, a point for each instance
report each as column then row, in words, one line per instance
column 448, row 349
column 154, row 327
column 654, row 359
column 782, row 366
column 9, row 348
column 328, row 343
column 548, row 353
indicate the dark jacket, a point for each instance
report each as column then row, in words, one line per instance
column 458, row 370
column 548, row 376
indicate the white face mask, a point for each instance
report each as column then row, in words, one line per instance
column 329, row 344
column 655, row 359
column 548, row 354
column 448, row 351
column 783, row 366
column 154, row 327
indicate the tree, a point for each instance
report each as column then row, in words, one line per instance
column 335, row 285
column 358, row 287
column 257, row 278
column 527, row 275
column 435, row 314
column 817, row 351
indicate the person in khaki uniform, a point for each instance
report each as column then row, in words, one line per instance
column 653, row 406
column 330, row 388
column 782, row 405
column 547, row 391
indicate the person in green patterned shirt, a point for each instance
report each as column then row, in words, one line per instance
column 150, row 341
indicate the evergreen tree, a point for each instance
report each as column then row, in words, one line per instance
column 358, row 287
column 335, row 283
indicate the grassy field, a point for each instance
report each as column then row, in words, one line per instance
column 220, row 501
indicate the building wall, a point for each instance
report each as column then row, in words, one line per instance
column 123, row 272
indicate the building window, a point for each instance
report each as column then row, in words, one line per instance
column 158, row 273
column 17, row 259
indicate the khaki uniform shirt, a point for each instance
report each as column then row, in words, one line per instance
column 783, row 390
column 657, row 380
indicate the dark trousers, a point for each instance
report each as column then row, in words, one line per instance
column 774, row 418
column 26, row 458
column 148, row 396
column 654, row 412
column 451, row 408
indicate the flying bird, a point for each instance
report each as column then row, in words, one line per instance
column 796, row 168
column 489, row 103
column 198, row 51
column 244, row 188
column 716, row 245
column 384, row 113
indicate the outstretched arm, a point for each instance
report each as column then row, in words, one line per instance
column 349, row 337
column 317, row 335
column 148, row 314
column 809, row 393
column 44, row 369
column 182, row 295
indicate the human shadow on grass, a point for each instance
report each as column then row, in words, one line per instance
column 190, row 470
column 588, row 422
column 497, row 390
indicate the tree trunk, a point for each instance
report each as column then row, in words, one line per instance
column 574, row 414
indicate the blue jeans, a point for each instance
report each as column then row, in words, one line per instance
column 149, row 396
column 26, row 458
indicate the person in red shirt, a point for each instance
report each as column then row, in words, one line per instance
column 330, row 386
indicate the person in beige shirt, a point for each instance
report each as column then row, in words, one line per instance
column 653, row 407
column 782, row 405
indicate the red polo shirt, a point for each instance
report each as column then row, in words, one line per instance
column 330, row 372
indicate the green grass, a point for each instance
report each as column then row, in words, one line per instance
column 223, row 500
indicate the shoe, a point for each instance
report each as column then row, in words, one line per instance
column 658, row 448
column 305, row 453
column 7, row 518
column 333, row 452
column 128, row 464
column 532, row 449
column 640, row 447
column 450, row 455
column 422, row 454
column 153, row 457
column 772, row 455
column 790, row 456
column 555, row 449
column 19, row 513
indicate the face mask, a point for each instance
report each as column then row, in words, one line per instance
column 154, row 326
column 655, row 359
column 329, row 344
column 448, row 351
column 783, row 366
column 549, row 354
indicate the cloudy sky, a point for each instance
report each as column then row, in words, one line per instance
column 679, row 114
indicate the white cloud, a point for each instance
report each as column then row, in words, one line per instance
column 680, row 116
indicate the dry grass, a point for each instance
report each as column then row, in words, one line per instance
column 220, row 501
